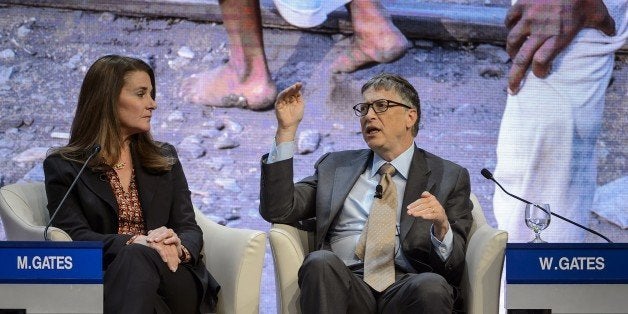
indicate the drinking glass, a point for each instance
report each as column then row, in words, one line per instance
column 538, row 217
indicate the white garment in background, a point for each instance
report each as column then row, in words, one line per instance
column 546, row 144
column 307, row 13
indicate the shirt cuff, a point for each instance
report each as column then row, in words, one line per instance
column 280, row 152
column 444, row 248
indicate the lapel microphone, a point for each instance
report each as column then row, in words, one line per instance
column 94, row 150
column 487, row 174
column 379, row 191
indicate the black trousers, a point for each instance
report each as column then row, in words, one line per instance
column 329, row 286
column 138, row 281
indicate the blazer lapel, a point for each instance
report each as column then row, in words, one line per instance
column 98, row 184
column 419, row 180
column 147, row 186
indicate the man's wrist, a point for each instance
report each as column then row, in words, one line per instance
column 285, row 134
column 441, row 231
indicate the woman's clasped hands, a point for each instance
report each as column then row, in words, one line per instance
column 166, row 242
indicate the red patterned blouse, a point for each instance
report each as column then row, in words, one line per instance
column 130, row 218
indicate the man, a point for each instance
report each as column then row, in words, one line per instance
column 388, row 239
column 563, row 53
column 246, row 81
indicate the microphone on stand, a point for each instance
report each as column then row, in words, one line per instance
column 487, row 174
column 378, row 191
column 95, row 149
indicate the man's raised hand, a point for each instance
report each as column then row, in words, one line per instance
column 289, row 109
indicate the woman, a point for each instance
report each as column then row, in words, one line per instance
column 133, row 196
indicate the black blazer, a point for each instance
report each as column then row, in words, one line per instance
column 90, row 213
column 323, row 194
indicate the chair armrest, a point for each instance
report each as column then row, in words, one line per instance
column 289, row 246
column 55, row 234
column 235, row 258
column 484, row 264
column 36, row 233
column 23, row 215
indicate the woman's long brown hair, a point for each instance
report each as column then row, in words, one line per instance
column 96, row 119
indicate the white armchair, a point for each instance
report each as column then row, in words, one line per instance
column 480, row 282
column 24, row 214
column 233, row 256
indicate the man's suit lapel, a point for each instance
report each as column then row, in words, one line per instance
column 345, row 176
column 419, row 180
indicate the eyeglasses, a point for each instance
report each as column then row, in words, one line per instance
column 379, row 106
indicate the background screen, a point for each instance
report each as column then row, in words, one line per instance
column 45, row 52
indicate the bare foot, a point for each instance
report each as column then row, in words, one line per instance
column 221, row 87
column 367, row 49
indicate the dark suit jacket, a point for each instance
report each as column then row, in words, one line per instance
column 90, row 213
column 322, row 196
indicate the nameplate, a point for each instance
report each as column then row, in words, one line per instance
column 51, row 262
column 566, row 263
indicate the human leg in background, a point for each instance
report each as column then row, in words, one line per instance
column 546, row 144
column 376, row 39
column 245, row 80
